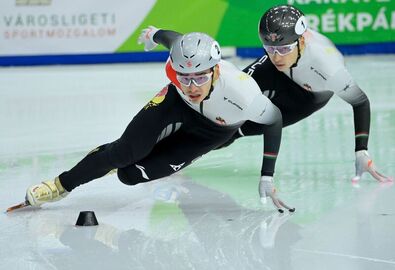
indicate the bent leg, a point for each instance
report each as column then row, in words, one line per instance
column 294, row 102
column 173, row 154
column 319, row 100
column 158, row 119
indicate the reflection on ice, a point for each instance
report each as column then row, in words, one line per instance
column 214, row 233
column 209, row 217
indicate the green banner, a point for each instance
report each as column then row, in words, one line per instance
column 182, row 16
column 235, row 22
column 351, row 22
column 343, row 21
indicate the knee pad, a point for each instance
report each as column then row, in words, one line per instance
column 123, row 177
column 132, row 175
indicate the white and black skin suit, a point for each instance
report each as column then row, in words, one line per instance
column 170, row 132
column 307, row 87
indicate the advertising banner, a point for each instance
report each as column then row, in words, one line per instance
column 351, row 21
column 235, row 22
column 343, row 21
column 37, row 27
column 75, row 27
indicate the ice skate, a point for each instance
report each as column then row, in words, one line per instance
column 48, row 191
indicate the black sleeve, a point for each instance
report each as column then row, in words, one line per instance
column 347, row 89
column 269, row 117
column 166, row 37
column 362, row 124
column 272, row 141
column 354, row 96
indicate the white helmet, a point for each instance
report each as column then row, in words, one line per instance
column 194, row 52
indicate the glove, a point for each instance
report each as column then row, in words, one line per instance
column 147, row 37
column 267, row 189
column 363, row 163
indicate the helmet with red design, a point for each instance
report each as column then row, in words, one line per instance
column 194, row 52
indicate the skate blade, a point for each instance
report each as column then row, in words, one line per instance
column 18, row 206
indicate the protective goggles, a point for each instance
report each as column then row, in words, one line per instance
column 198, row 80
column 281, row 50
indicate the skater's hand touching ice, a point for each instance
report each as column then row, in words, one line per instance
column 267, row 189
column 364, row 163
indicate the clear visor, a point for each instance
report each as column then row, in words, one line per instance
column 281, row 50
column 198, row 80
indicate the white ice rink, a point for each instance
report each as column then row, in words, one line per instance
column 209, row 215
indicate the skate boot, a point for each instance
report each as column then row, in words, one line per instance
column 48, row 191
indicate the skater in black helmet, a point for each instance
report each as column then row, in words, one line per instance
column 299, row 74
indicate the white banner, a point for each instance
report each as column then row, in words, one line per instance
column 37, row 27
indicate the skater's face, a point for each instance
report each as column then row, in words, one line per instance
column 197, row 85
column 283, row 57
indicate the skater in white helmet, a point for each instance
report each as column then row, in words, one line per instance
column 205, row 103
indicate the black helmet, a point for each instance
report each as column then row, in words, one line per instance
column 281, row 25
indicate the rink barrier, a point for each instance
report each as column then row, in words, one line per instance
column 76, row 59
column 141, row 57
